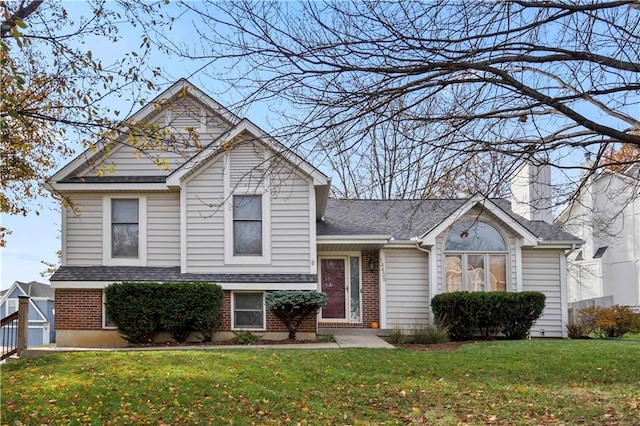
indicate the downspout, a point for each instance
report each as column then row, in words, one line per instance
column 432, row 266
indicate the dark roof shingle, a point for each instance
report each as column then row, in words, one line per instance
column 144, row 273
column 405, row 219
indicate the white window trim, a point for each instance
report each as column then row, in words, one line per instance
column 229, row 257
column 485, row 253
column 233, row 310
column 107, row 259
column 104, row 315
column 11, row 299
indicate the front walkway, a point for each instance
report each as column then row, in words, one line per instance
column 341, row 341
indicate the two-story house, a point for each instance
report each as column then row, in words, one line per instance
column 606, row 215
column 245, row 212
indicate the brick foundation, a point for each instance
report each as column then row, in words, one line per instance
column 81, row 309
column 78, row 309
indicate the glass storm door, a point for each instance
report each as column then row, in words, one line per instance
column 333, row 283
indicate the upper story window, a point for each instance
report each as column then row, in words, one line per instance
column 12, row 305
column 124, row 235
column 475, row 258
column 125, row 228
column 247, row 225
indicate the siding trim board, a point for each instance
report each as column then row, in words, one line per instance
column 237, row 286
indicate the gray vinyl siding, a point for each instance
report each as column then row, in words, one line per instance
column 205, row 219
column 125, row 160
column 248, row 166
column 289, row 193
column 541, row 272
column 163, row 229
column 83, row 229
column 290, row 244
column 407, row 288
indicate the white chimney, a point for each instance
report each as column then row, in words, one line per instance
column 531, row 192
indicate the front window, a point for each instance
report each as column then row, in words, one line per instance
column 247, row 225
column 475, row 258
column 124, row 228
column 248, row 311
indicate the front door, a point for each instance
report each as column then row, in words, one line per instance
column 334, row 284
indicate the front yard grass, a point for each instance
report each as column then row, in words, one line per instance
column 524, row 382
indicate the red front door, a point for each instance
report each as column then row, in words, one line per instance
column 333, row 283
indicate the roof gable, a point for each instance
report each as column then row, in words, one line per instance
column 148, row 113
column 228, row 139
column 429, row 237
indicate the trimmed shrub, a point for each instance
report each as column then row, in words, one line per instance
column 466, row 315
column 521, row 311
column 293, row 306
column 457, row 312
column 611, row 321
column 142, row 309
column 133, row 307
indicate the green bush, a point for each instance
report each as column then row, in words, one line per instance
column 245, row 338
column 466, row 315
column 457, row 312
column 134, row 309
column 521, row 311
column 141, row 310
column 293, row 306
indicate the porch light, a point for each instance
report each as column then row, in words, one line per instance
column 372, row 265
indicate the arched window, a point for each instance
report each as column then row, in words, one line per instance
column 475, row 258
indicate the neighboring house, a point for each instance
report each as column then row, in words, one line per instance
column 606, row 215
column 248, row 214
column 41, row 321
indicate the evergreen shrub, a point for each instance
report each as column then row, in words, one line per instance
column 141, row 310
column 465, row 315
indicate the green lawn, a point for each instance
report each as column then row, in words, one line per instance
column 525, row 382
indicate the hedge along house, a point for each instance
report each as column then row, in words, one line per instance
column 243, row 211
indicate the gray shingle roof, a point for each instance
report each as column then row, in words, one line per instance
column 143, row 273
column 404, row 219
column 114, row 179
column 33, row 289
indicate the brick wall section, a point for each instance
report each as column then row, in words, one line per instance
column 81, row 309
column 370, row 288
column 78, row 309
column 273, row 323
